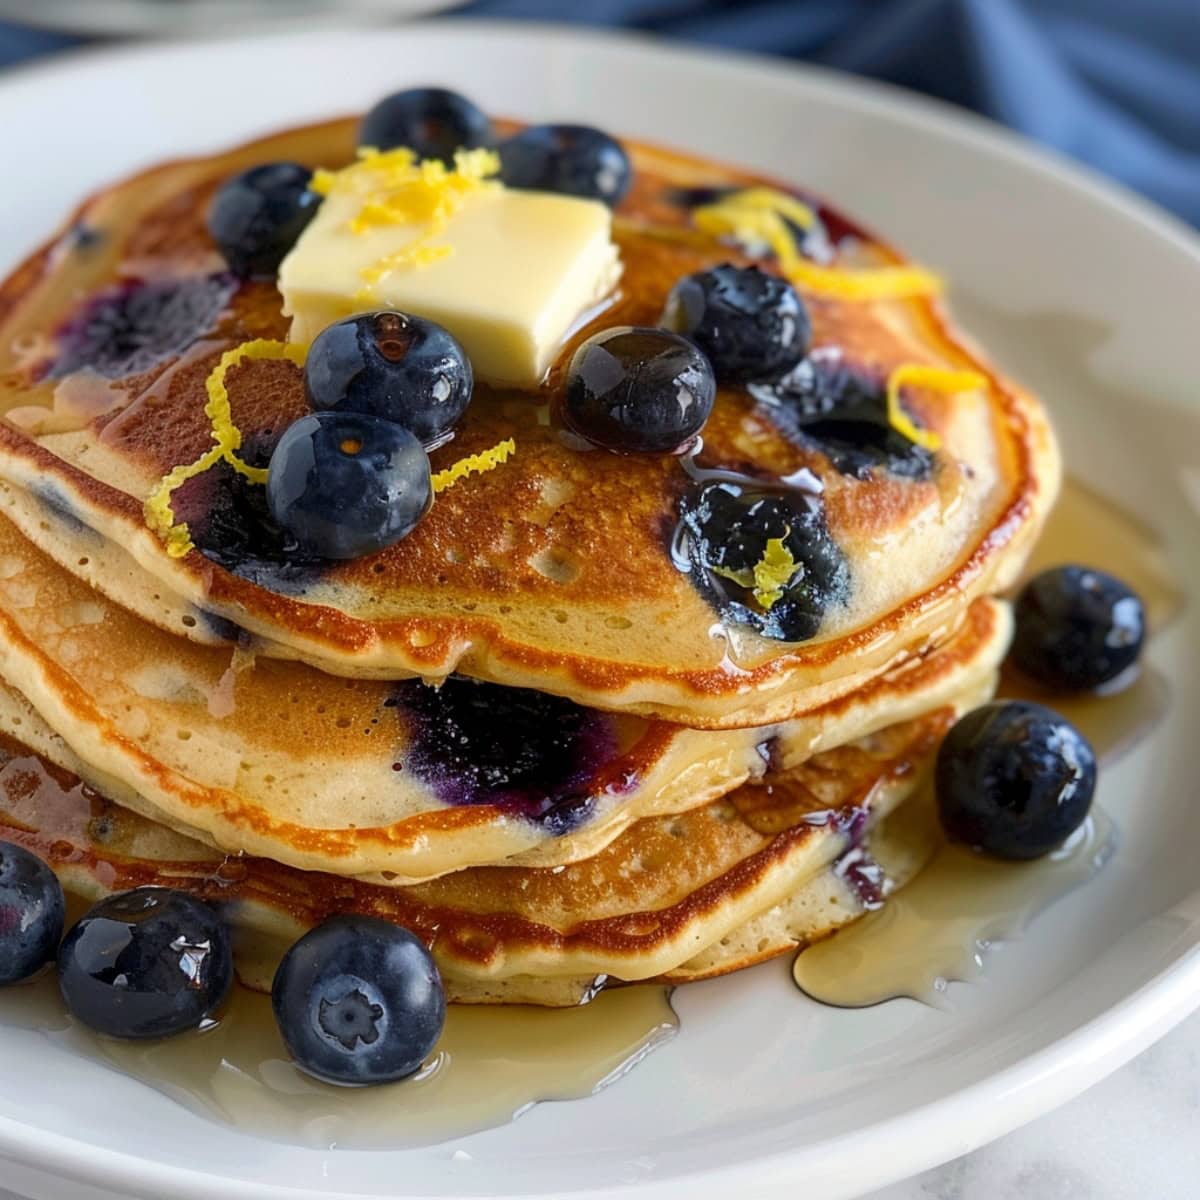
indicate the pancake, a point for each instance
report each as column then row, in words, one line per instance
column 392, row 781
column 711, row 891
column 553, row 571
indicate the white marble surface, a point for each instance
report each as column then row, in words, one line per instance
column 1135, row 1136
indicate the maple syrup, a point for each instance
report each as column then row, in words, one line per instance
column 491, row 1064
column 938, row 928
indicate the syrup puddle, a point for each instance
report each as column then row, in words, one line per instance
column 938, row 928
column 492, row 1064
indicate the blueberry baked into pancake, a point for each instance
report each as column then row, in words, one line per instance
column 449, row 561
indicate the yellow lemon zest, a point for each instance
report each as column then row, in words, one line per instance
column 773, row 572
column 227, row 440
column 762, row 219
column 937, row 379
column 485, row 460
column 768, row 578
column 394, row 187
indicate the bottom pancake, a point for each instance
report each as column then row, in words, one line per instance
column 755, row 873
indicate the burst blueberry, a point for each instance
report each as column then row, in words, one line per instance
column 840, row 409
column 1077, row 628
column 431, row 121
column 576, row 160
column 345, row 484
column 751, row 325
column 392, row 365
column 256, row 217
column 146, row 963
column 359, row 1001
column 31, row 913
column 638, row 391
column 137, row 324
column 1015, row 779
column 731, row 533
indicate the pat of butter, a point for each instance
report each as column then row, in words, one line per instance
column 509, row 274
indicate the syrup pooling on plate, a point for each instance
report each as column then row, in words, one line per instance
column 492, row 1064
column 937, row 929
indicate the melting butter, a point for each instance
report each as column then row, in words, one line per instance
column 508, row 272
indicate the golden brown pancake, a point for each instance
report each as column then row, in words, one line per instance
column 552, row 571
column 397, row 782
column 677, row 897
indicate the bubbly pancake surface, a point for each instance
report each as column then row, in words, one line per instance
column 395, row 781
column 552, row 571
column 680, row 897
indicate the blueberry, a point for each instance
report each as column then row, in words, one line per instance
column 403, row 368
column 1077, row 628
column 638, row 391
column 728, row 530
column 1015, row 779
column 146, row 963
column 432, row 121
column 576, row 160
column 256, row 217
column 841, row 410
column 31, row 913
column 133, row 326
column 345, row 484
column 750, row 324
column 359, row 1000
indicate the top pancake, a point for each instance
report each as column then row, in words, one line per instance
column 552, row 571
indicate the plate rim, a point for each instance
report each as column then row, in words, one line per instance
column 1041, row 1080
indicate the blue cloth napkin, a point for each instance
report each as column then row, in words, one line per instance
column 1115, row 83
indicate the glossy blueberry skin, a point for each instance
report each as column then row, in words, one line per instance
column 432, row 121
column 1015, row 779
column 752, row 326
column 359, row 1001
column 638, row 391
column 256, row 217
column 345, row 484
column 146, row 963
column 728, row 530
column 575, row 160
column 1077, row 628
column 31, row 913
column 392, row 365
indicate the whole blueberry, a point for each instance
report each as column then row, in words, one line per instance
column 750, row 324
column 576, row 160
column 392, row 365
column 345, row 484
column 1077, row 628
column 638, row 391
column 358, row 1001
column 1015, row 779
column 256, row 217
column 31, row 913
column 432, row 121
column 146, row 963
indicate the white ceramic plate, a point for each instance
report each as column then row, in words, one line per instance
column 123, row 18
column 1083, row 292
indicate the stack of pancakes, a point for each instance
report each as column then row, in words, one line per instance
column 524, row 732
